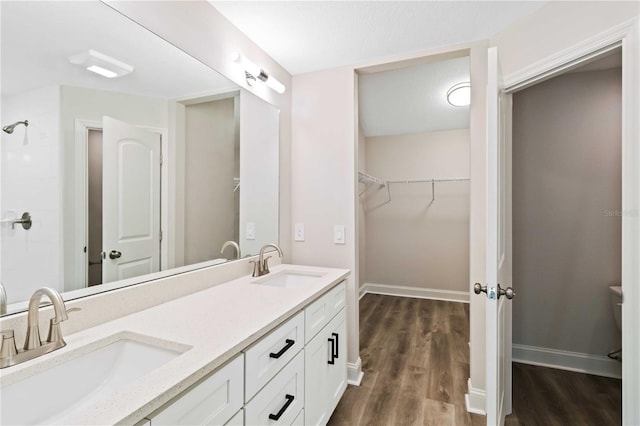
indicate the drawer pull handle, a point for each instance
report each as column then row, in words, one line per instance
column 332, row 355
column 276, row 417
column 334, row 348
column 283, row 350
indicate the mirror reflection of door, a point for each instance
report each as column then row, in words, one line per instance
column 123, row 170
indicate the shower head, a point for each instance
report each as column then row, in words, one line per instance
column 9, row 129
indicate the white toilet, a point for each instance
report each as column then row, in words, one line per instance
column 616, row 304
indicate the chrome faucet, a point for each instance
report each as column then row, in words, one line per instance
column 234, row 245
column 261, row 267
column 3, row 300
column 33, row 345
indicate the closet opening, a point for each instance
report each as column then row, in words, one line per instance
column 413, row 236
column 567, row 231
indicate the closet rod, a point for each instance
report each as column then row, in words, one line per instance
column 432, row 181
column 451, row 179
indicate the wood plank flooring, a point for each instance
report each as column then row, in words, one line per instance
column 415, row 357
column 548, row 396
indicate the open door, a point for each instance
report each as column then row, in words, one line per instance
column 498, row 247
column 131, row 201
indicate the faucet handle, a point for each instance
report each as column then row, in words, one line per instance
column 265, row 265
column 256, row 268
column 8, row 344
column 55, row 334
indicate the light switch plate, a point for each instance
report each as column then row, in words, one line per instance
column 250, row 231
column 338, row 234
column 298, row 234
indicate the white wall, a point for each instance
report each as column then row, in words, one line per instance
column 556, row 26
column 88, row 104
column 209, row 189
column 361, row 219
column 324, row 177
column 31, row 182
column 566, row 178
column 414, row 241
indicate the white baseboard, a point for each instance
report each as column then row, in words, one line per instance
column 475, row 399
column 564, row 360
column 420, row 293
column 355, row 373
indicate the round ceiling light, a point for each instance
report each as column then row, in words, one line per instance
column 459, row 95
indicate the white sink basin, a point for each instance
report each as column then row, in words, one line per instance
column 289, row 279
column 55, row 392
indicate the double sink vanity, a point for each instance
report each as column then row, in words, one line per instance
column 252, row 350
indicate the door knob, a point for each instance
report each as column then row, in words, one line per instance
column 115, row 254
column 479, row 288
column 507, row 292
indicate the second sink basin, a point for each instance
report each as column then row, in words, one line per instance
column 289, row 278
column 53, row 393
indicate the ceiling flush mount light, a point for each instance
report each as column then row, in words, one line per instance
column 459, row 95
column 101, row 64
column 254, row 72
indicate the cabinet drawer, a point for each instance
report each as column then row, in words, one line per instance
column 282, row 397
column 265, row 358
column 214, row 400
column 320, row 312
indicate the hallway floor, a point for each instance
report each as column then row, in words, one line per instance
column 415, row 358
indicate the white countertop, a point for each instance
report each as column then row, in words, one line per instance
column 216, row 323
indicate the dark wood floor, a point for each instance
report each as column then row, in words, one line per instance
column 548, row 396
column 415, row 358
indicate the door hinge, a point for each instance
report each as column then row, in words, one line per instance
column 161, row 159
column 161, row 235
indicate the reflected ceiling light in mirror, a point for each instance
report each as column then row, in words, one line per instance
column 459, row 95
column 254, row 72
column 101, row 64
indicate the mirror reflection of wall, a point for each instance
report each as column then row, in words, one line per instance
column 195, row 203
column 211, row 193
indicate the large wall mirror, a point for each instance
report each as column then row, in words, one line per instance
column 123, row 159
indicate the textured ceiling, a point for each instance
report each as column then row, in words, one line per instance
column 308, row 36
column 412, row 100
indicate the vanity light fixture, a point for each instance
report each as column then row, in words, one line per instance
column 254, row 72
column 459, row 95
column 101, row 64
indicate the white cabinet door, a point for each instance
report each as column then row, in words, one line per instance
column 213, row 401
column 325, row 371
column 337, row 372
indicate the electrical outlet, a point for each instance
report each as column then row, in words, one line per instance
column 298, row 234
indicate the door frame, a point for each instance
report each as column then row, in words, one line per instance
column 81, row 188
column 627, row 37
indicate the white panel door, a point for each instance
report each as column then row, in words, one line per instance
column 498, row 246
column 131, row 201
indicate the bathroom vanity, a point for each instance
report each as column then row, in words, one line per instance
column 247, row 351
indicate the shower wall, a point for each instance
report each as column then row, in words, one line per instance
column 30, row 182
